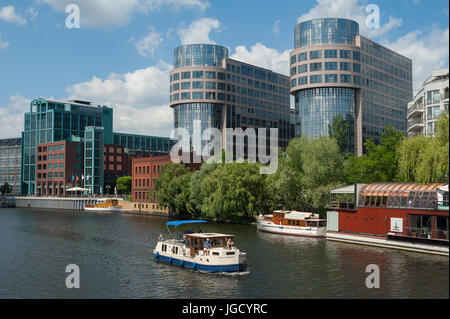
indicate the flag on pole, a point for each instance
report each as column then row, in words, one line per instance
column 73, row 178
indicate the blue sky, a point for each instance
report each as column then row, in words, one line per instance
column 123, row 51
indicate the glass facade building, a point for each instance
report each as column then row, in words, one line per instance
column 10, row 161
column 200, row 55
column 320, row 106
column 223, row 93
column 93, row 160
column 336, row 71
column 52, row 121
column 325, row 31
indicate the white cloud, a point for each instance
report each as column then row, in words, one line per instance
column 11, row 116
column 198, row 31
column 152, row 5
column 3, row 44
column 264, row 57
column 148, row 44
column 276, row 27
column 353, row 10
column 428, row 50
column 139, row 99
column 9, row 14
column 32, row 13
column 110, row 14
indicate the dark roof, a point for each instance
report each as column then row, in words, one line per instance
column 11, row 142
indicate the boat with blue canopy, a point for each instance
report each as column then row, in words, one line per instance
column 203, row 252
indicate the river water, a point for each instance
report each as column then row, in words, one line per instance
column 115, row 256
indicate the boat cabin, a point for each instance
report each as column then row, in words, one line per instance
column 296, row 219
column 196, row 243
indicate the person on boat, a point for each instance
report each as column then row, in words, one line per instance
column 230, row 243
column 207, row 246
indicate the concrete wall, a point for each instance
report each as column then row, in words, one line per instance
column 53, row 203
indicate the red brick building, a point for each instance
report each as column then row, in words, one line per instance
column 145, row 171
column 56, row 163
column 117, row 163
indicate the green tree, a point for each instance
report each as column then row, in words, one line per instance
column 308, row 170
column 425, row 159
column 380, row 164
column 340, row 131
column 5, row 189
column 233, row 192
column 123, row 184
column 172, row 189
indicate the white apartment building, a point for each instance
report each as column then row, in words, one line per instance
column 429, row 103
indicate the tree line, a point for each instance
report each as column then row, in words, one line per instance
column 308, row 170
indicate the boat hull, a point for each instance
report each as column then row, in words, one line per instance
column 270, row 227
column 108, row 209
column 202, row 267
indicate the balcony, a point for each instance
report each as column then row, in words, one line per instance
column 415, row 110
column 415, row 124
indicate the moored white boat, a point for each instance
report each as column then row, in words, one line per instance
column 190, row 250
column 293, row 224
column 104, row 205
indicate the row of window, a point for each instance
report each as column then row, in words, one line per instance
column 327, row 66
column 139, row 170
column 327, row 54
column 51, row 175
column 51, row 148
column 53, row 157
column 327, row 78
column 51, row 166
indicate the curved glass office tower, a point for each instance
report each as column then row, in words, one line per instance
column 335, row 71
column 209, row 87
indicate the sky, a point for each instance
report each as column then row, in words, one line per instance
column 122, row 53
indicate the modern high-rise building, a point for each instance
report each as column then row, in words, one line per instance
column 211, row 90
column 51, row 121
column 431, row 100
column 336, row 71
column 10, row 154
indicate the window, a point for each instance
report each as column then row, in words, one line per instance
column 302, row 56
column 331, row 66
column 210, row 85
column 315, row 67
column 303, row 80
column 197, row 74
column 346, row 78
column 345, row 54
column 303, row 68
column 315, row 55
column 210, row 75
column 185, row 75
column 357, row 67
column 331, row 78
column 186, row 96
column 315, row 79
column 197, row 95
column 293, row 59
column 185, row 85
column 330, row 54
column 356, row 56
column 197, row 85
column 346, row 66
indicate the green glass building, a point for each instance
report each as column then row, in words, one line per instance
column 52, row 120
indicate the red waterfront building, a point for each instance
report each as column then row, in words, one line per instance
column 59, row 166
column 144, row 172
column 405, row 212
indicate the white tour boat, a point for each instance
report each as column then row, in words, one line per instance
column 104, row 205
column 293, row 224
column 204, row 252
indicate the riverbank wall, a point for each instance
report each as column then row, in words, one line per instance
column 53, row 203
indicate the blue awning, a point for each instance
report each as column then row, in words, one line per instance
column 178, row 223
